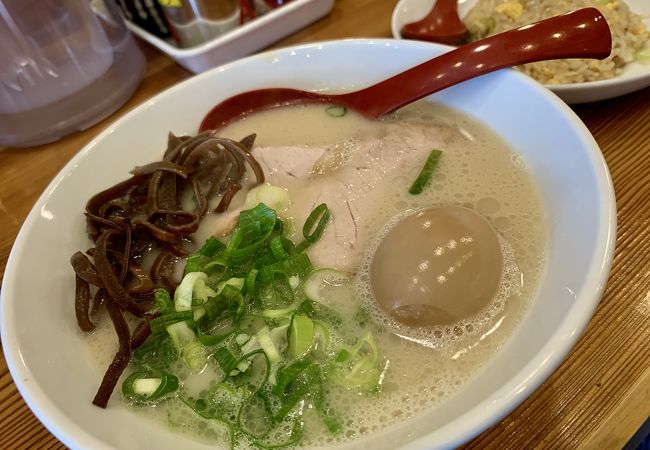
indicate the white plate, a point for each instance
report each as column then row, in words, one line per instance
column 49, row 358
column 635, row 76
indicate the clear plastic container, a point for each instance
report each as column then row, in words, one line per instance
column 65, row 66
column 245, row 39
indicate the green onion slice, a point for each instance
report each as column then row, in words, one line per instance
column 315, row 223
column 211, row 247
column 253, row 305
column 249, row 281
column 425, row 174
column 163, row 301
column 136, row 386
column 301, row 335
column 159, row 324
column 336, row 111
column 288, row 374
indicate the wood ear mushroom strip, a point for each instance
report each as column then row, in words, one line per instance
column 145, row 214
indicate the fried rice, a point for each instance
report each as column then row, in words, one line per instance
column 629, row 35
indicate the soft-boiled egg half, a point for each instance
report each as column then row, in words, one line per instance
column 437, row 266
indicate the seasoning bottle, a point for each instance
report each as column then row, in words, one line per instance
column 196, row 21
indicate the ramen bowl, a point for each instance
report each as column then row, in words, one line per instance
column 49, row 358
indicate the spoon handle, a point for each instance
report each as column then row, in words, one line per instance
column 444, row 11
column 579, row 34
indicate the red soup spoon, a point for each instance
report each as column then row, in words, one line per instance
column 579, row 34
column 442, row 25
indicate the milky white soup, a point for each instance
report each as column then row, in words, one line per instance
column 363, row 170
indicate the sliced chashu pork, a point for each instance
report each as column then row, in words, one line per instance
column 349, row 177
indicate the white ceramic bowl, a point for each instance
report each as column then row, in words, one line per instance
column 49, row 359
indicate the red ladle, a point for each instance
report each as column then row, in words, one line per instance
column 579, row 34
column 442, row 25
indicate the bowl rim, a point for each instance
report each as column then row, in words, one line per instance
column 534, row 373
column 548, row 359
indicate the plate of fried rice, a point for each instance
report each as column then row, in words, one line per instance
column 626, row 70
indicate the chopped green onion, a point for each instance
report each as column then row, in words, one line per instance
column 258, row 371
column 426, row 172
column 277, row 292
column 288, row 374
column 275, row 197
column 198, row 313
column 242, row 364
column 193, row 264
column 159, row 324
column 149, row 386
column 315, row 223
column 184, row 339
column 336, row 111
column 277, row 248
column 342, row 356
column 322, row 333
column 298, row 264
column 320, row 312
column 157, row 350
column 282, row 312
column 210, row 340
column 184, row 292
column 201, row 291
column 314, row 379
column 290, row 402
column 146, row 386
column 250, row 345
column 214, row 306
column 235, row 301
column 301, row 335
column 225, row 359
column 211, row 247
column 257, row 221
column 163, row 301
column 214, row 264
column 252, row 304
column 249, row 282
column 265, row 341
column 358, row 367
column 255, row 227
column 241, row 339
column 235, row 282
column 321, row 279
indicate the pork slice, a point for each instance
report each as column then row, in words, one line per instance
column 350, row 178
column 284, row 165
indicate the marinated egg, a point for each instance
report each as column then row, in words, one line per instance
column 437, row 266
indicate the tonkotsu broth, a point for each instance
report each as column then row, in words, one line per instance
column 478, row 171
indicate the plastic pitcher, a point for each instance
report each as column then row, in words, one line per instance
column 65, row 66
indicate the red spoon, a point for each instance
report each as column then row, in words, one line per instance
column 442, row 24
column 579, row 34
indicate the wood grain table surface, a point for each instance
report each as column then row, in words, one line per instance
column 597, row 398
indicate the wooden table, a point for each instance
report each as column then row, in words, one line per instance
column 595, row 400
